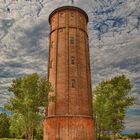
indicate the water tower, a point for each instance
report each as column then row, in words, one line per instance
column 69, row 113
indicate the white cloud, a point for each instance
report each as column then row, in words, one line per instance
column 24, row 42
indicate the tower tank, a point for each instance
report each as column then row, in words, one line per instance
column 69, row 112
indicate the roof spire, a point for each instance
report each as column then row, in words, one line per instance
column 72, row 1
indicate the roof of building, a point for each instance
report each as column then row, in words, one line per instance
column 68, row 7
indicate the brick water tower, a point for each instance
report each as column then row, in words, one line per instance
column 69, row 112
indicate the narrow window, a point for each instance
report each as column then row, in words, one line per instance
column 61, row 30
column 73, row 83
column 51, row 64
column 53, row 20
column 8, row 9
column 72, row 14
column 72, row 60
column 61, row 14
column 82, row 36
column 71, row 40
column 52, row 44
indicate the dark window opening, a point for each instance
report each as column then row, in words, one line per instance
column 73, row 83
column 61, row 30
column 61, row 14
column 72, row 60
column 71, row 40
column 72, row 14
column 52, row 44
column 8, row 9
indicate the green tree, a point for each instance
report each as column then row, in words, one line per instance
column 135, row 135
column 110, row 101
column 30, row 94
column 39, row 132
column 17, row 126
column 4, row 125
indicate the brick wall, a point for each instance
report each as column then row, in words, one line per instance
column 69, row 114
column 69, row 64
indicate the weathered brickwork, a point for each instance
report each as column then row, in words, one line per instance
column 69, row 128
column 69, row 74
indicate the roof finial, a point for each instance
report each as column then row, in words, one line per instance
column 72, row 1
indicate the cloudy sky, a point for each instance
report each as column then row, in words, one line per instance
column 114, row 37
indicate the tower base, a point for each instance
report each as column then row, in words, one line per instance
column 69, row 128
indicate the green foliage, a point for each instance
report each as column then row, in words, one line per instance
column 136, row 135
column 121, row 136
column 4, row 125
column 110, row 100
column 39, row 132
column 17, row 126
column 30, row 94
column 11, row 139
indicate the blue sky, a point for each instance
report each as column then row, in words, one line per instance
column 114, row 39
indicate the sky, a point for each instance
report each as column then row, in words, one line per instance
column 114, row 40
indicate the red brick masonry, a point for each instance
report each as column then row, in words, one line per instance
column 69, row 111
column 72, row 128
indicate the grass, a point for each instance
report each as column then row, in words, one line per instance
column 10, row 139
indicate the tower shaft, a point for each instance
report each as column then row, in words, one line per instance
column 69, row 114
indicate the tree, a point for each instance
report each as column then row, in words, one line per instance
column 17, row 126
column 30, row 93
column 39, row 132
column 135, row 135
column 110, row 101
column 4, row 125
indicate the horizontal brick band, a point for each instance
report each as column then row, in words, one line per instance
column 69, row 27
column 58, row 116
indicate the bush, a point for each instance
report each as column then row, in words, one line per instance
column 4, row 125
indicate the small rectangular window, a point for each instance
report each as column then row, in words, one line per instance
column 61, row 30
column 72, row 60
column 52, row 44
column 61, row 14
column 53, row 20
column 51, row 64
column 72, row 14
column 71, row 40
column 73, row 83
